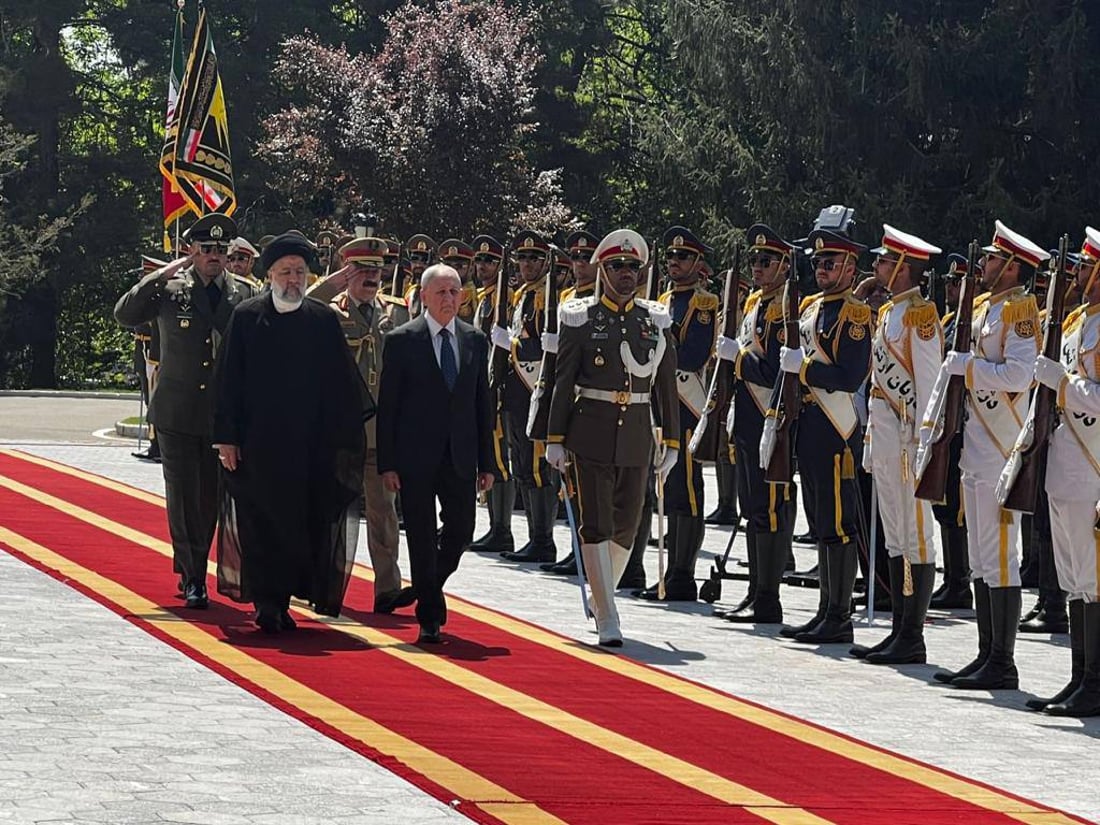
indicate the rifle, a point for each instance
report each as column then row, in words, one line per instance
column 704, row 443
column 1019, row 486
column 501, row 361
column 933, row 460
column 538, row 414
column 779, row 464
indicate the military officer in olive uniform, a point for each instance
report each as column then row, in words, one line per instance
column 694, row 314
column 501, row 498
column 538, row 482
column 422, row 252
column 832, row 361
column 190, row 300
column 615, row 356
column 754, row 353
column 460, row 256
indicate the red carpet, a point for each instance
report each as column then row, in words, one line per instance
column 515, row 723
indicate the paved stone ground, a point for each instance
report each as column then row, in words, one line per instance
column 984, row 736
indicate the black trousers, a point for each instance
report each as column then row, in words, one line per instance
column 190, row 466
column 767, row 508
column 528, row 458
column 826, row 464
column 435, row 547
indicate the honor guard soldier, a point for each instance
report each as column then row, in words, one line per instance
column 906, row 353
column 768, row 507
column 328, row 244
column 422, row 250
column 998, row 372
column 460, row 255
column 190, row 301
column 501, row 498
column 563, row 269
column 365, row 325
column 580, row 245
column 242, row 257
column 396, row 274
column 832, row 361
column 955, row 590
column 616, row 356
column 1073, row 487
column 538, row 482
column 694, row 314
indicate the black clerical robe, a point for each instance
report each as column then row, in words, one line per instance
column 289, row 396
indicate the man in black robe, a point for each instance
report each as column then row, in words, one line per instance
column 289, row 433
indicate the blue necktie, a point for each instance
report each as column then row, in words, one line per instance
column 447, row 358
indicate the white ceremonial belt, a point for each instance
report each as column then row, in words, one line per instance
column 614, row 396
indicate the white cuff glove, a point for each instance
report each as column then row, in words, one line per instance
column 955, row 362
column 727, row 349
column 867, row 454
column 555, row 457
column 550, row 342
column 501, row 338
column 790, row 360
column 668, row 461
column 1049, row 372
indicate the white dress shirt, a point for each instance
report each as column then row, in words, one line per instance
column 434, row 328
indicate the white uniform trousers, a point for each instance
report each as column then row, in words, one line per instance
column 906, row 519
column 993, row 534
column 1076, row 547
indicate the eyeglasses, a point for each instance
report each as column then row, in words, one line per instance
column 678, row 255
column 826, row 264
column 419, row 257
column 763, row 261
column 239, row 258
column 882, row 259
column 455, row 261
column 530, row 256
column 616, row 266
column 485, row 259
column 213, row 248
column 579, row 256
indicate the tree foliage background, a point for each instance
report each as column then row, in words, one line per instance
column 458, row 116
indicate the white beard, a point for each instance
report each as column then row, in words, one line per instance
column 283, row 302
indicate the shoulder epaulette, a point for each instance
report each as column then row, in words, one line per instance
column 574, row 312
column 704, row 300
column 882, row 310
column 664, row 297
column 948, row 318
column 806, row 302
column 411, row 290
column 855, row 311
column 752, row 300
column 567, row 294
column 1024, row 308
column 658, row 313
column 922, row 314
column 981, row 299
column 244, row 281
column 1073, row 319
column 392, row 299
column 774, row 312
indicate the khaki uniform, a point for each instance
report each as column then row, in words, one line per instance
column 364, row 329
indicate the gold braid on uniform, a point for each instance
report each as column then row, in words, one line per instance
column 855, row 311
column 1023, row 315
column 752, row 301
column 774, row 313
column 1073, row 320
column 806, row 301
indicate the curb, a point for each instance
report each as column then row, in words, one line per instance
column 131, row 430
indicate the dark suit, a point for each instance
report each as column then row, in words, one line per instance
column 437, row 441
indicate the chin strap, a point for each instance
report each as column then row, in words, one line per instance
column 894, row 274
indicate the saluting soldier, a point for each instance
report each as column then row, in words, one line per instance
column 955, row 590
column 501, row 497
column 190, row 301
column 460, row 256
column 1073, row 487
column 422, row 251
column 754, row 354
column 538, row 482
column 832, row 360
column 694, row 314
column 906, row 353
column 616, row 356
column 998, row 372
column 365, row 324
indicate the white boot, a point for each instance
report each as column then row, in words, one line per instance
column 597, row 568
column 619, row 557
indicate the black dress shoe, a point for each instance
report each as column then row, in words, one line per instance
column 723, row 515
column 405, row 596
column 429, row 634
column 531, row 553
column 286, row 621
column 565, row 567
column 195, row 597
column 805, row 538
column 268, row 620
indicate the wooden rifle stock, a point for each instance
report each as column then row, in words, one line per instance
column 788, row 392
column 932, row 484
column 500, row 363
column 1023, row 491
column 538, row 420
column 721, row 386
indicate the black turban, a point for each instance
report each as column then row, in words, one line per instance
column 289, row 243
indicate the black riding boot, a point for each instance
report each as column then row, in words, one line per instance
column 745, row 607
column 999, row 670
column 771, row 558
column 1077, row 658
column 843, row 564
column 955, row 593
column 501, row 499
column 790, row 631
column 541, row 505
column 908, row 645
column 897, row 603
column 1085, row 701
column 985, row 636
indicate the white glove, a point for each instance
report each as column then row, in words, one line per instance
column 790, row 360
column 955, row 362
column 1049, row 372
column 668, row 461
column 727, row 349
column 550, row 342
column 502, row 338
column 867, row 453
column 555, row 457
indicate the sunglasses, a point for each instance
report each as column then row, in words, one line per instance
column 678, row 255
column 456, row 261
column 616, row 266
column 238, row 258
column 213, row 248
column 826, row 264
column 485, row 259
column 882, row 259
column 530, row 256
column 579, row 256
column 419, row 257
column 763, row 261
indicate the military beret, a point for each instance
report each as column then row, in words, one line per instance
column 289, row 243
column 487, row 246
column 682, row 238
column 213, row 228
